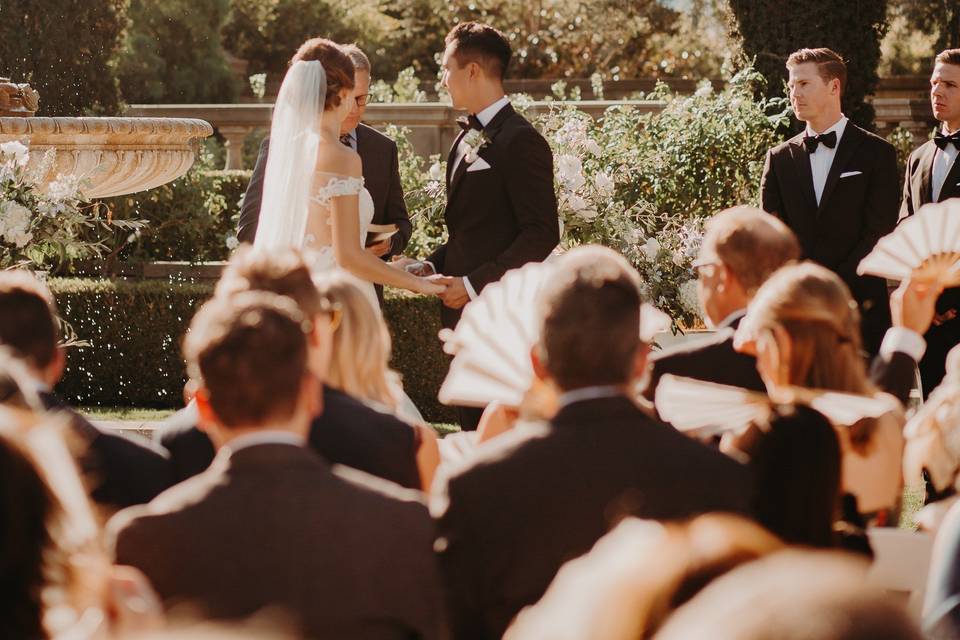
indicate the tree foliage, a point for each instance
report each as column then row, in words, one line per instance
column 173, row 54
column 66, row 50
column 770, row 30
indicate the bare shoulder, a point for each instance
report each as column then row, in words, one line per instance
column 338, row 159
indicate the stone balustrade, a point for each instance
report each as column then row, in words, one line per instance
column 433, row 125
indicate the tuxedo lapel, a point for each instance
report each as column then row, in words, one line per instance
column 925, row 175
column 490, row 131
column 451, row 156
column 852, row 137
column 801, row 160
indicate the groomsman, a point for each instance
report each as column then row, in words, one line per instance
column 834, row 185
column 933, row 175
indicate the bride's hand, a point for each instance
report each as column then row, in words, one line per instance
column 430, row 287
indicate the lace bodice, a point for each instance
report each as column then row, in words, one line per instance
column 336, row 186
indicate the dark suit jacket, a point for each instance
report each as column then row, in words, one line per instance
column 346, row 554
column 120, row 471
column 530, row 500
column 347, row 432
column 381, row 176
column 918, row 191
column 854, row 212
column 714, row 360
column 503, row 217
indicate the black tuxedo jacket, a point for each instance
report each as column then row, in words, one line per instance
column 533, row 499
column 381, row 176
column 347, row 432
column 858, row 206
column 918, row 191
column 346, row 555
column 119, row 471
column 502, row 217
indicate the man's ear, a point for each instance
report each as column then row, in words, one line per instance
column 640, row 358
column 54, row 371
column 207, row 419
column 538, row 361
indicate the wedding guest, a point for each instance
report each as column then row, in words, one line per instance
column 531, row 499
column 119, row 471
column 932, row 176
column 941, row 606
column 271, row 523
column 347, row 431
column 741, row 248
column 834, row 185
column 804, row 328
column 636, row 575
column 381, row 168
column 793, row 595
column 360, row 367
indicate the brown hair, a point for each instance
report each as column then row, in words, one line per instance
column 482, row 44
column 829, row 64
column 591, row 319
column 28, row 317
column 249, row 351
column 360, row 358
column 752, row 244
column 949, row 56
column 336, row 63
column 281, row 271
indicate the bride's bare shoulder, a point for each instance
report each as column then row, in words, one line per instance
column 338, row 159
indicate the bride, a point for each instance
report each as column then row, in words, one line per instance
column 313, row 193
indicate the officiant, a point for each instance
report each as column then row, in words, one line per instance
column 381, row 172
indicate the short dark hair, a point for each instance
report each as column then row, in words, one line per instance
column 949, row 56
column 829, row 64
column 336, row 63
column 481, row 43
column 28, row 317
column 590, row 330
column 249, row 351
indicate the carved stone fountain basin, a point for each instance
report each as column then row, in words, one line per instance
column 116, row 156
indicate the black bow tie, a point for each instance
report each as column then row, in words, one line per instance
column 470, row 122
column 829, row 140
column 346, row 140
column 942, row 140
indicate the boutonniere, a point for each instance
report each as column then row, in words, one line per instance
column 474, row 141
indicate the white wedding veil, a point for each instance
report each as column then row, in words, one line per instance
column 294, row 136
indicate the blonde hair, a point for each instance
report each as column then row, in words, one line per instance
column 359, row 364
column 814, row 306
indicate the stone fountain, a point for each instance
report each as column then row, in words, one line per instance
column 115, row 156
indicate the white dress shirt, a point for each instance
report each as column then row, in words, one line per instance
column 589, row 393
column 822, row 159
column 265, row 436
column 484, row 116
column 942, row 163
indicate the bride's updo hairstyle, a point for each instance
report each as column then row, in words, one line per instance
column 336, row 63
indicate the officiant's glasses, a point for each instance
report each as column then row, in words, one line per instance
column 363, row 100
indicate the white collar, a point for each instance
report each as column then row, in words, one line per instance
column 733, row 317
column 264, row 436
column 487, row 114
column 352, row 133
column 839, row 126
column 588, row 393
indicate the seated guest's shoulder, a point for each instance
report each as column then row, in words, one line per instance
column 717, row 341
column 490, row 459
column 374, row 489
column 182, row 424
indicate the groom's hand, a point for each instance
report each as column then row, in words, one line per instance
column 456, row 294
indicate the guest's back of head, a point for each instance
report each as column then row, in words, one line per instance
column 792, row 595
column 796, row 465
column 590, row 328
column 28, row 324
column 279, row 271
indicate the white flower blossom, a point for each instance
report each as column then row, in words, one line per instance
column 570, row 170
column 651, row 249
column 435, row 172
column 604, row 184
column 21, row 239
column 678, row 258
column 232, row 242
column 15, row 222
column 689, row 299
column 592, row 147
column 64, row 187
column 576, row 202
column 588, row 213
column 16, row 150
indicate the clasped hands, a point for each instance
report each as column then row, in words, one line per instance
column 455, row 293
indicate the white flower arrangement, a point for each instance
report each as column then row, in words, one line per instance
column 474, row 141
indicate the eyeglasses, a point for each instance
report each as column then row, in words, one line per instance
column 363, row 100
column 700, row 267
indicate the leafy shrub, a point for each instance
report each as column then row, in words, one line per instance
column 66, row 50
column 135, row 328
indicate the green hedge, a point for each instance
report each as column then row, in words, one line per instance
column 135, row 327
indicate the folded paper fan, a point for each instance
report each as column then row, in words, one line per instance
column 706, row 408
column 925, row 246
column 491, row 343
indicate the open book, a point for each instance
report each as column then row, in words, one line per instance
column 380, row 232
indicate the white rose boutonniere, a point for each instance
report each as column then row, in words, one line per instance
column 474, row 141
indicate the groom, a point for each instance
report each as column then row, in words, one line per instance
column 501, row 208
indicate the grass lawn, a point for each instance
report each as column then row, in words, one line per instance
column 126, row 413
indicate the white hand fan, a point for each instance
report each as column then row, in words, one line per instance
column 706, row 408
column 491, row 343
column 925, row 246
